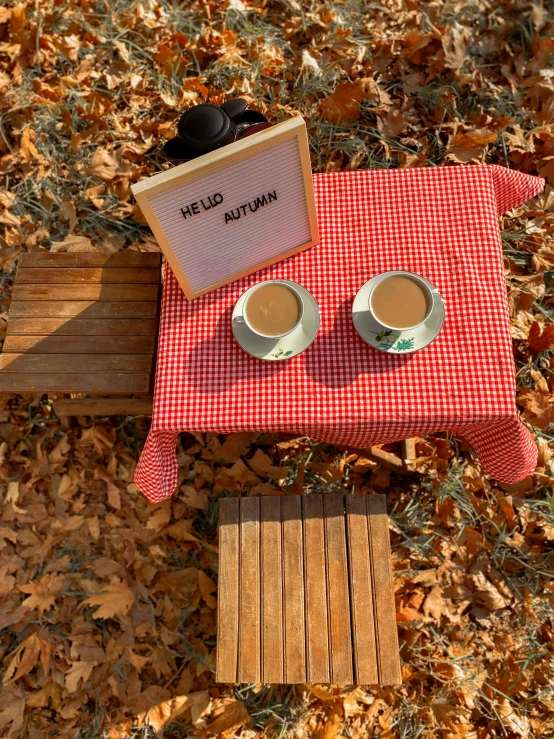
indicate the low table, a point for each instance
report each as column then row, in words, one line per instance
column 439, row 222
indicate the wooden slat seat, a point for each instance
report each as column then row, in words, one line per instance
column 82, row 323
column 305, row 591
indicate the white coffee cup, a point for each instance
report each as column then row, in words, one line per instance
column 248, row 294
column 425, row 286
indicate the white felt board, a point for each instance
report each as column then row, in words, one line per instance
column 267, row 174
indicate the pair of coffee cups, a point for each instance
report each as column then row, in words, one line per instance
column 424, row 286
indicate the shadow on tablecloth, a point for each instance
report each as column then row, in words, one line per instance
column 337, row 358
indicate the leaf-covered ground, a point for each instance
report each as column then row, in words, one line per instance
column 107, row 603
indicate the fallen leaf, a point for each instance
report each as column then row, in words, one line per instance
column 79, row 671
column 538, row 410
column 344, row 103
column 114, row 600
column 32, row 650
column 103, row 165
column 73, row 243
column 43, row 592
column 230, row 717
column 467, row 147
column 541, row 338
column 207, row 587
column 114, row 496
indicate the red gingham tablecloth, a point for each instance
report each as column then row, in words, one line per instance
column 439, row 222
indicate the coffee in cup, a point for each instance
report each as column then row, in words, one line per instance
column 401, row 300
column 272, row 309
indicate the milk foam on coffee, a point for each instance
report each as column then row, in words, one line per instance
column 272, row 309
column 399, row 301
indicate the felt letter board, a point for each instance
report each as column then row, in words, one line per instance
column 234, row 210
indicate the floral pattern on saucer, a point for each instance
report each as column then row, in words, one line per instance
column 287, row 347
column 395, row 342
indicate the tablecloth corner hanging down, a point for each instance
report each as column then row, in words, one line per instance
column 440, row 222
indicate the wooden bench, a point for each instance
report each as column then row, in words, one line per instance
column 86, row 324
column 305, row 591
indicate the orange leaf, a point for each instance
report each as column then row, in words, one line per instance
column 538, row 410
column 207, row 587
column 233, row 716
column 343, row 103
column 540, row 340
column 464, row 147
column 43, row 592
column 115, row 599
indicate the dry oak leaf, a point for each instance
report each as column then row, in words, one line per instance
column 230, row 717
column 466, row 147
column 12, row 707
column 43, row 592
column 161, row 714
column 77, row 672
column 73, row 243
column 434, row 605
column 541, row 340
column 115, row 599
column 207, row 587
column 194, row 498
column 33, row 649
column 343, row 103
column 538, row 410
column 102, row 165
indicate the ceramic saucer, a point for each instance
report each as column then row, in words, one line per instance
column 286, row 347
column 395, row 342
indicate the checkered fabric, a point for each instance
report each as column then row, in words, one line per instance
column 439, row 222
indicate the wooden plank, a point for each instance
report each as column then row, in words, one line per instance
column 62, row 275
column 293, row 590
column 60, row 363
column 83, row 345
column 271, row 590
column 83, row 326
column 408, row 451
column 103, row 407
column 338, row 597
column 85, row 292
column 15, row 382
column 83, row 309
column 249, row 608
column 228, row 591
column 388, row 658
column 361, row 592
column 123, row 258
column 317, row 640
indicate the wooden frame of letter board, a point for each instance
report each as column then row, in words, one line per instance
column 295, row 128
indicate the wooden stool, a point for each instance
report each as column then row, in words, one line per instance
column 82, row 323
column 305, row 591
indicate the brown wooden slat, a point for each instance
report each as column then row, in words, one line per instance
column 317, row 640
column 338, row 597
column 361, row 592
column 60, row 363
column 85, row 292
column 103, row 407
column 82, row 326
column 84, row 345
column 383, row 595
column 293, row 590
column 228, row 591
column 62, row 275
column 249, row 601
column 82, row 309
column 124, row 258
column 271, row 589
column 15, row 382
